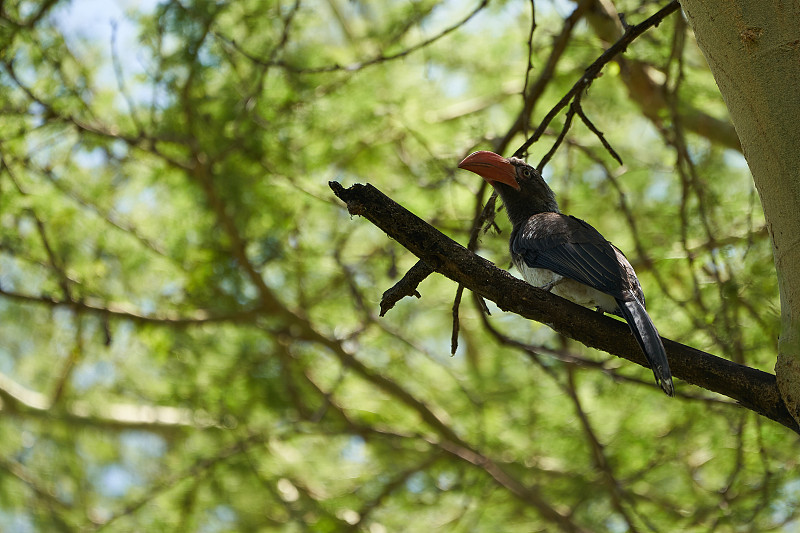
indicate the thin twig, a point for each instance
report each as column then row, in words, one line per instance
column 599, row 134
column 456, row 324
column 358, row 65
column 591, row 72
column 567, row 124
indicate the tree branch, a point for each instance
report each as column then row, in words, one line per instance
column 751, row 388
column 407, row 286
column 16, row 399
column 649, row 94
column 593, row 70
column 381, row 57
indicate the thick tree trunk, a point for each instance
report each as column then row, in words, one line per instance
column 753, row 49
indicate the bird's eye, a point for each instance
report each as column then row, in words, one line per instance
column 526, row 172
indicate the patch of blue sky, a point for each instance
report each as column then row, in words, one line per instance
column 109, row 28
column 417, row 482
column 510, row 10
column 147, row 306
column 446, row 480
column 141, row 444
column 548, row 173
column 453, row 84
column 786, row 502
column 7, row 361
column 595, row 175
column 218, row 519
column 90, row 159
column 642, row 132
column 735, row 159
column 355, row 450
column 483, row 22
column 616, row 524
column 19, row 522
column 89, row 374
column 123, row 333
column 127, row 204
column 37, row 112
column 698, row 151
column 9, row 272
column 118, row 149
column 659, row 185
column 563, row 8
column 115, row 481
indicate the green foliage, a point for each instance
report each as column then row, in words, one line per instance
column 189, row 317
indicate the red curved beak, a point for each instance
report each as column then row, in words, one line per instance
column 491, row 167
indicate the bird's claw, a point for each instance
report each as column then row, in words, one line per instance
column 549, row 286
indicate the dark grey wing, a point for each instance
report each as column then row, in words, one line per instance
column 572, row 248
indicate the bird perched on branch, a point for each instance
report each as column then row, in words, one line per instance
column 566, row 256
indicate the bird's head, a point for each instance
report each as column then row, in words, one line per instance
column 520, row 185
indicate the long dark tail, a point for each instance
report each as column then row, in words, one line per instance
column 646, row 334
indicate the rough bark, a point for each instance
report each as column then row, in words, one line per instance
column 753, row 50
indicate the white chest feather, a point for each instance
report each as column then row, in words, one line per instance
column 570, row 289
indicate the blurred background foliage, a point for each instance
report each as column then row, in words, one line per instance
column 189, row 317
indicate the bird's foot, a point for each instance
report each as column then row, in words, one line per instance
column 549, row 286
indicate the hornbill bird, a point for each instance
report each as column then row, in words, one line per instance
column 566, row 256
